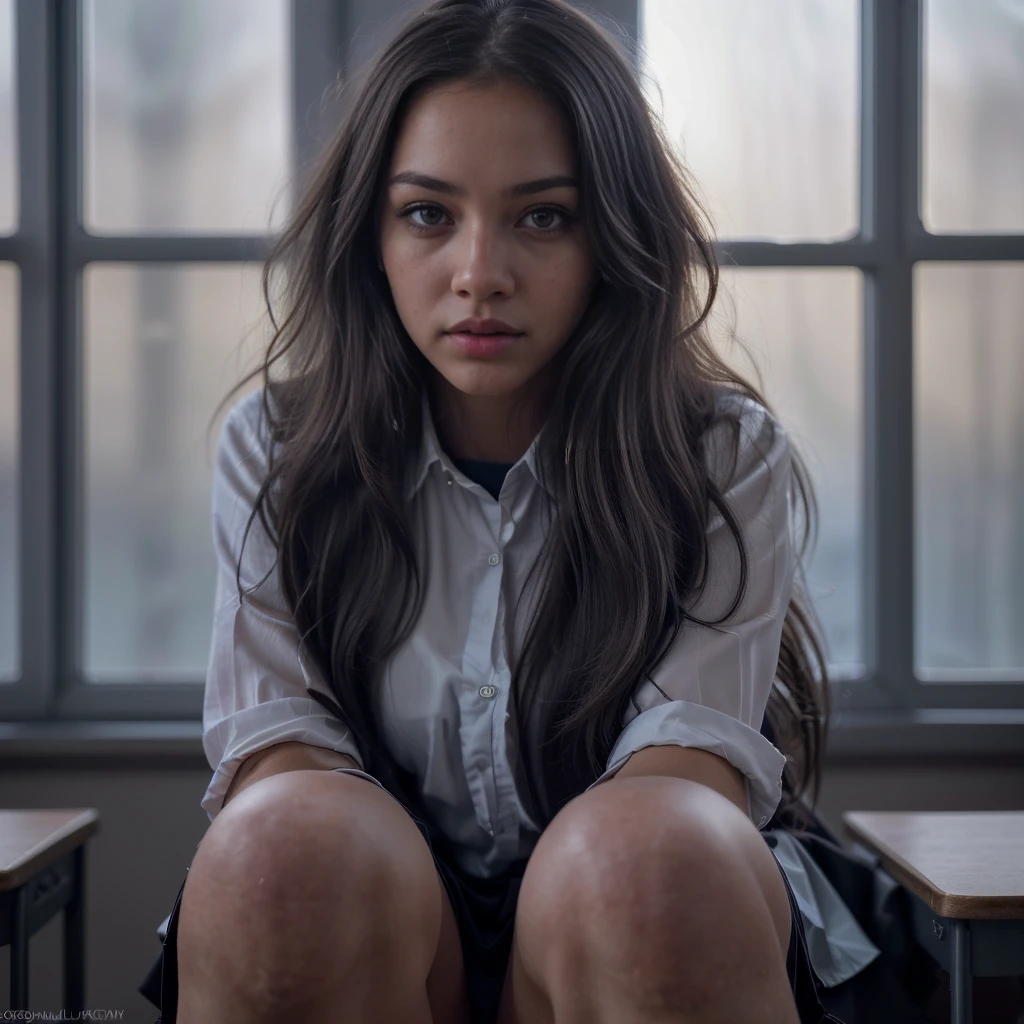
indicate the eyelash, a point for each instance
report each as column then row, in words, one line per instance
column 567, row 218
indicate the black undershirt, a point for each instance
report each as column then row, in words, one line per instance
column 489, row 475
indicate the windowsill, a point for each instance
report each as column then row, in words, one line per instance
column 976, row 733
column 862, row 735
column 129, row 741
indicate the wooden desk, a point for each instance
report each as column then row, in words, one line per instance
column 965, row 875
column 42, row 871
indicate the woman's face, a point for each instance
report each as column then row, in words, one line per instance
column 465, row 245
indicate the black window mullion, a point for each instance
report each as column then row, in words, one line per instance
column 34, row 249
column 793, row 255
column 318, row 54
column 924, row 246
column 888, row 382
column 69, row 420
column 85, row 248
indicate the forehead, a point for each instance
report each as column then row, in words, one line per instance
column 485, row 134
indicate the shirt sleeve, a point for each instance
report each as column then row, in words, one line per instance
column 256, row 677
column 716, row 680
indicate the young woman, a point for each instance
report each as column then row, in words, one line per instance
column 513, row 698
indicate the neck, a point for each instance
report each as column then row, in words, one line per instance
column 486, row 428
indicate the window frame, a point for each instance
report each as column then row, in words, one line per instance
column 891, row 240
column 51, row 248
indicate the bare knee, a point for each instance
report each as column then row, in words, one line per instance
column 304, row 880
column 660, row 884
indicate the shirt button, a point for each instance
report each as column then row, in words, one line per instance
column 487, row 691
column 494, row 559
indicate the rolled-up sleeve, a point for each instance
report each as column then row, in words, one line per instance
column 711, row 688
column 256, row 677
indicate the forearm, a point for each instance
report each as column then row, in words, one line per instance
column 289, row 756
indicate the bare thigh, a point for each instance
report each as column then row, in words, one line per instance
column 446, row 983
column 335, row 892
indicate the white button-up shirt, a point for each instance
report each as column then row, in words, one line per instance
column 443, row 699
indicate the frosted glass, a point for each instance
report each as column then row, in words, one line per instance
column 969, row 470
column 162, row 345
column 10, row 408
column 801, row 331
column 973, row 107
column 186, row 115
column 8, row 133
column 760, row 97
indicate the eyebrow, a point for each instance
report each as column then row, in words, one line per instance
column 525, row 188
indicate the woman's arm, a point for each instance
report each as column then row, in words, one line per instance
column 257, row 681
column 289, row 756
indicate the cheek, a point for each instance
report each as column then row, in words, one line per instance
column 569, row 288
column 411, row 288
column 403, row 268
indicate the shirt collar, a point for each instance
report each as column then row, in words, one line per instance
column 431, row 451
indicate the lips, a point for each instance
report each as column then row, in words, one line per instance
column 481, row 344
column 484, row 325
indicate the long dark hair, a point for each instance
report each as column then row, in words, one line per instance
column 628, row 552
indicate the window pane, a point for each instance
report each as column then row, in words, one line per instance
column 969, row 470
column 761, row 101
column 8, row 140
column 162, row 347
column 803, row 330
column 10, row 412
column 973, row 99
column 186, row 115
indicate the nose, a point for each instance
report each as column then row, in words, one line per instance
column 482, row 265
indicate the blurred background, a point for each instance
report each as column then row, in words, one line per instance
column 864, row 171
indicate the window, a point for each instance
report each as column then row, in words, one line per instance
column 860, row 161
column 163, row 163
column 969, row 471
column 803, row 329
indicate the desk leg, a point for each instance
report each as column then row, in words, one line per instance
column 74, row 936
column 19, row 949
column 960, row 980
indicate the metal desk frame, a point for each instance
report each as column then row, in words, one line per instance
column 968, row 949
column 23, row 911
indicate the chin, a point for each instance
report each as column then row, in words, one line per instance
column 484, row 381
